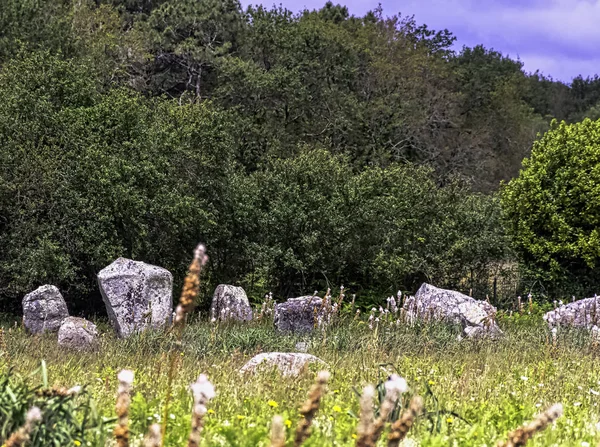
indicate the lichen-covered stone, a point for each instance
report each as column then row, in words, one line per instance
column 137, row 295
column 230, row 302
column 582, row 314
column 430, row 303
column 300, row 315
column 78, row 334
column 44, row 309
column 288, row 363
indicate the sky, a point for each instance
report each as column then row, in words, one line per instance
column 560, row 38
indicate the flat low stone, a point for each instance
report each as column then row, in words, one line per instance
column 299, row 315
column 78, row 334
column 137, row 295
column 230, row 303
column 581, row 314
column 44, row 309
column 430, row 303
column 288, row 363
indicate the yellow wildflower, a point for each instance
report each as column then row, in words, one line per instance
column 337, row 409
column 273, row 404
column 211, row 411
column 288, row 423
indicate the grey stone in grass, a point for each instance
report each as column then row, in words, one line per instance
column 44, row 309
column 78, row 334
column 299, row 315
column 430, row 303
column 578, row 314
column 230, row 302
column 287, row 363
column 137, row 295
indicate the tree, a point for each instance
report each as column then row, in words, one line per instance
column 553, row 209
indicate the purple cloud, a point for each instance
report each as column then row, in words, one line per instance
column 561, row 38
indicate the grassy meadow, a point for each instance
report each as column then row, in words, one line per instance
column 474, row 392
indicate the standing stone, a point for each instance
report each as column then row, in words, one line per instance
column 288, row 363
column 44, row 309
column 582, row 314
column 230, row 302
column 300, row 314
column 78, row 334
column 137, row 295
column 430, row 303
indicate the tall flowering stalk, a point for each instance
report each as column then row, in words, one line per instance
column 310, row 408
column 520, row 436
column 153, row 438
column 401, row 427
column 123, row 401
column 22, row 435
column 203, row 391
column 277, row 432
column 366, row 416
column 394, row 388
column 187, row 302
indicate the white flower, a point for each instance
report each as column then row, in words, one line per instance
column 524, row 378
column 396, row 386
column 577, row 404
column 202, row 389
column 34, row 415
column 594, row 392
column 585, row 444
column 126, row 377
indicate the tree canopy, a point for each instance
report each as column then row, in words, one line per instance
column 306, row 149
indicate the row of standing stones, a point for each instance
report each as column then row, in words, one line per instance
column 139, row 296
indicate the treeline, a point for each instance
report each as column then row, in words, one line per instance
column 307, row 150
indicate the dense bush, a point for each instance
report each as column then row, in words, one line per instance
column 553, row 209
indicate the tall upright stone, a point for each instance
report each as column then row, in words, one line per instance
column 300, row 315
column 137, row 295
column 230, row 302
column 44, row 309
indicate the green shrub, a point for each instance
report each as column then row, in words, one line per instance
column 553, row 209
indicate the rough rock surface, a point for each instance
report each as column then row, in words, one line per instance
column 137, row 295
column 432, row 303
column 583, row 313
column 300, row 314
column 230, row 302
column 44, row 309
column 288, row 363
column 78, row 333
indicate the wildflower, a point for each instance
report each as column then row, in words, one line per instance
column 21, row 436
column 524, row 378
column 241, row 417
column 273, row 404
column 431, row 383
column 76, row 442
column 401, row 427
column 121, row 431
column 449, row 420
column 395, row 386
column 202, row 391
column 354, row 436
column 288, row 423
column 523, row 434
column 310, row 408
column 277, row 432
column 154, row 436
column 211, row 411
column 337, row 409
